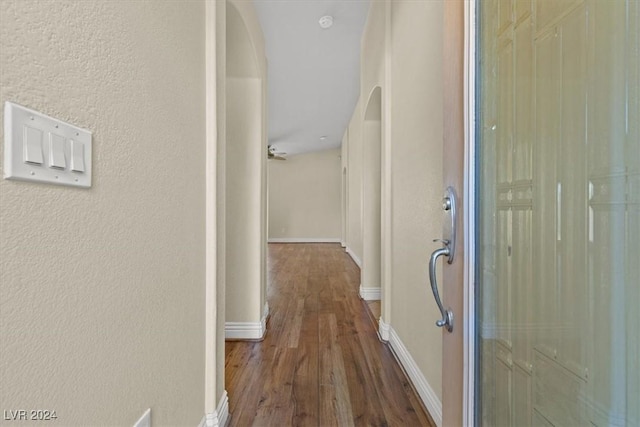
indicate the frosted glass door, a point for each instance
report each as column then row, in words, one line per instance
column 558, row 220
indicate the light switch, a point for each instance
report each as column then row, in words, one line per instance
column 77, row 156
column 145, row 419
column 32, row 145
column 56, row 151
column 44, row 149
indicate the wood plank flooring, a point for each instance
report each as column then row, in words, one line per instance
column 321, row 363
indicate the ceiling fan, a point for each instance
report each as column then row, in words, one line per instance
column 273, row 153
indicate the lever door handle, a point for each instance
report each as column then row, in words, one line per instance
column 447, row 315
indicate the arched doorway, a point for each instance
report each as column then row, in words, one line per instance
column 370, row 282
column 244, row 176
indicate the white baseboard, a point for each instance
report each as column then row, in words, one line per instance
column 223, row 409
column 343, row 244
column 354, row 257
column 370, row 294
column 303, row 240
column 244, row 330
column 219, row 417
column 426, row 393
column 383, row 330
column 247, row 330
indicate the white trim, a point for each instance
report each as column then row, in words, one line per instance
column 244, row 330
column 304, row 240
column 219, row 417
column 386, row 254
column 247, row 330
column 354, row 257
column 422, row 386
column 211, row 198
column 144, row 421
column 343, row 244
column 368, row 293
column 223, row 410
column 468, row 214
column 383, row 330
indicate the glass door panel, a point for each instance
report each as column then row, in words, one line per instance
column 558, row 220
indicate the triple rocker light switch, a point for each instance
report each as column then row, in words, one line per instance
column 40, row 148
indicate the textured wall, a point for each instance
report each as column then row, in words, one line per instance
column 244, row 155
column 411, row 116
column 416, row 132
column 221, row 218
column 102, row 290
column 305, row 196
column 354, row 171
column 372, row 191
column 344, row 163
column 246, row 163
column 374, row 123
column 372, row 72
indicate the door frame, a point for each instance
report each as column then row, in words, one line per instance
column 469, row 212
column 212, row 303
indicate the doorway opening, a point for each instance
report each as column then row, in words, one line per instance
column 370, row 284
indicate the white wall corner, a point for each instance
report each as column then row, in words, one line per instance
column 248, row 330
column 220, row 416
column 354, row 257
column 244, row 330
column 368, row 293
column 426, row 393
column 343, row 244
column 383, row 330
column 304, row 240
column 265, row 315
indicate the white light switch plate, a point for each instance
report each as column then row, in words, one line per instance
column 145, row 419
column 43, row 149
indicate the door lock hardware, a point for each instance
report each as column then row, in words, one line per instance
column 449, row 249
column 447, row 314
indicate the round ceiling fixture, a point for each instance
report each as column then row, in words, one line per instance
column 326, row 22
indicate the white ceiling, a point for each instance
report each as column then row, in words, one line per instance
column 313, row 74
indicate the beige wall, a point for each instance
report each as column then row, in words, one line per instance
column 220, row 232
column 305, row 196
column 344, row 161
column 372, row 71
column 243, row 253
column 402, row 54
column 102, row 290
column 416, row 131
column 245, row 171
column 373, row 119
column 372, row 191
column 354, row 177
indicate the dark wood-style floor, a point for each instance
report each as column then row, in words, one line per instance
column 321, row 363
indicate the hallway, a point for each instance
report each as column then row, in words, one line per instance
column 321, row 362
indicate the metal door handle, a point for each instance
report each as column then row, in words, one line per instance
column 447, row 315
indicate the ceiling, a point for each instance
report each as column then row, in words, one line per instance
column 313, row 73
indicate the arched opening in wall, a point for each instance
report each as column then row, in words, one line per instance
column 370, row 281
column 345, row 186
column 244, row 200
